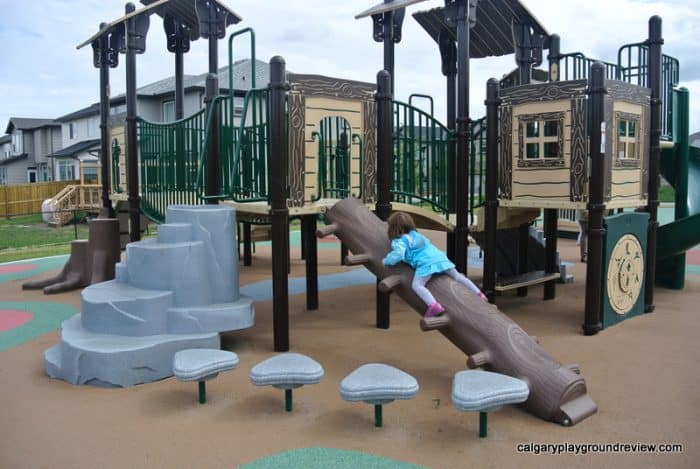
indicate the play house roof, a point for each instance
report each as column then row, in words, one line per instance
column 492, row 34
column 183, row 10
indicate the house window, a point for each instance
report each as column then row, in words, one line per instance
column 541, row 139
column 3, row 176
column 168, row 111
column 91, row 128
column 71, row 131
column 627, row 141
column 44, row 173
column 17, row 142
column 66, row 170
column 90, row 175
column 31, row 175
column 118, row 109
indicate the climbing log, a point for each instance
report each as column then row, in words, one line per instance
column 491, row 339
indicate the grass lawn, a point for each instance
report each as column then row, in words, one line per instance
column 667, row 194
column 28, row 237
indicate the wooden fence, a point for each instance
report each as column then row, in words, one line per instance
column 20, row 199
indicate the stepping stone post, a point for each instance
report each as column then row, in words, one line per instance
column 485, row 391
column 201, row 365
column 378, row 384
column 287, row 371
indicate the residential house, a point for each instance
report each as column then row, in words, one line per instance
column 78, row 157
column 5, row 145
column 80, row 133
column 26, row 158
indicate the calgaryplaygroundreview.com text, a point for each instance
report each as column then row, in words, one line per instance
column 598, row 448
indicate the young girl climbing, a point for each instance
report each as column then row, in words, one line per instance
column 413, row 248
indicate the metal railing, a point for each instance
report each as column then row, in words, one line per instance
column 421, row 169
column 576, row 66
column 631, row 67
column 339, row 159
column 633, row 60
column 243, row 148
column 170, row 156
column 477, row 166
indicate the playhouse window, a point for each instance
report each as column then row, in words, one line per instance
column 627, row 139
column 542, row 139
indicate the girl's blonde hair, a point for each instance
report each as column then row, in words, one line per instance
column 400, row 223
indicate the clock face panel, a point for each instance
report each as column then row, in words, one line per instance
column 625, row 274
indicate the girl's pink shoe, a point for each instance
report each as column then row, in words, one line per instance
column 433, row 310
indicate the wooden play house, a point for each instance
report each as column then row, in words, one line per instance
column 544, row 145
column 331, row 133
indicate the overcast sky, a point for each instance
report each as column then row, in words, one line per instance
column 43, row 75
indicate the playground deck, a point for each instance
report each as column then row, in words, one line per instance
column 642, row 374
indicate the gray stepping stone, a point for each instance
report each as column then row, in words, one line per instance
column 485, row 391
column 201, row 365
column 287, row 371
column 378, row 384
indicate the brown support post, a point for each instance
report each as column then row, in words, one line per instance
column 448, row 53
column 462, row 167
column 309, row 241
column 277, row 162
column 654, row 43
column 247, row 254
column 551, row 215
column 104, row 63
column 212, row 179
column 343, row 253
column 523, row 240
column 491, row 204
column 136, row 29
column 384, row 164
column 596, row 203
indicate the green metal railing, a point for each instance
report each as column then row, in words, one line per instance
column 336, row 159
column 633, row 61
column 477, row 166
column 243, row 148
column 421, row 165
column 576, row 66
column 631, row 67
column 116, row 152
column 170, row 156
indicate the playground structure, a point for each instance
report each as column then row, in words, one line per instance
column 412, row 162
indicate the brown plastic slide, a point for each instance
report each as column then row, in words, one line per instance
column 91, row 261
column 488, row 337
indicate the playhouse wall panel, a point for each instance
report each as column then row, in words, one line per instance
column 317, row 108
column 297, row 149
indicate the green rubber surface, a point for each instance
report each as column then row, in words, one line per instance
column 326, row 458
column 47, row 317
column 39, row 265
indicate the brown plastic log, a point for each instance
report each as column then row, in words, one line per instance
column 91, row 261
column 477, row 328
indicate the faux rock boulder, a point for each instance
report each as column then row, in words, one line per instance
column 173, row 292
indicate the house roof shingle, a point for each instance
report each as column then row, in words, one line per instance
column 5, row 139
column 29, row 123
column 75, row 148
column 241, row 81
column 12, row 159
